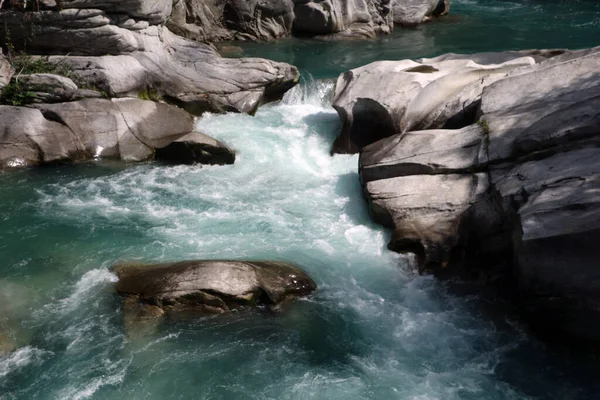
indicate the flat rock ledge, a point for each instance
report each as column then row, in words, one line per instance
column 512, row 196
column 204, row 287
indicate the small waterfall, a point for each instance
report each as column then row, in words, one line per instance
column 311, row 91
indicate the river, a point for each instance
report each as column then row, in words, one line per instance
column 373, row 330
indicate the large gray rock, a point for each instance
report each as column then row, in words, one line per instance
column 48, row 88
column 389, row 97
column 125, row 59
column 415, row 12
column 126, row 129
column 365, row 18
column 214, row 20
column 213, row 286
column 514, row 194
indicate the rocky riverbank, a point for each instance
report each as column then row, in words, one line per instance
column 111, row 81
column 488, row 166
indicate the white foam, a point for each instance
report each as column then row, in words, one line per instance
column 20, row 358
column 85, row 287
column 86, row 391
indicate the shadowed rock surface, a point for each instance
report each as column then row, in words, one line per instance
column 513, row 196
column 196, row 148
column 208, row 287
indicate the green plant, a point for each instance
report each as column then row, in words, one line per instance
column 14, row 94
column 26, row 64
column 149, row 94
column 483, row 123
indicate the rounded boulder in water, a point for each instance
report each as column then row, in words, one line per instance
column 212, row 286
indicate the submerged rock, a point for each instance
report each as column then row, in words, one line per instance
column 208, row 287
column 515, row 193
column 196, row 148
column 16, row 303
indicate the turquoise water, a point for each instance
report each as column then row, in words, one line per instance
column 373, row 330
column 473, row 26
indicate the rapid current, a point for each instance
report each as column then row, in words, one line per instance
column 373, row 330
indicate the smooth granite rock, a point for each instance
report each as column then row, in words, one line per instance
column 513, row 194
column 213, row 286
column 389, row 97
column 126, row 129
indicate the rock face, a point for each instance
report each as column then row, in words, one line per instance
column 214, row 20
column 124, row 49
column 208, row 287
column 365, row 18
column 513, row 196
column 386, row 97
column 126, row 129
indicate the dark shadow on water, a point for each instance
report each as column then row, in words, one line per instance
column 313, row 333
column 328, row 125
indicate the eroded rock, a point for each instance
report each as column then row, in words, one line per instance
column 415, row 12
column 389, row 97
column 124, row 58
column 207, row 287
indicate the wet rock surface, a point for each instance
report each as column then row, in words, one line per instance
column 196, row 288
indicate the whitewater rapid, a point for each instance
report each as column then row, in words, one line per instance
column 373, row 330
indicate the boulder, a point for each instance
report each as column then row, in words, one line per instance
column 196, row 148
column 515, row 193
column 126, row 129
column 47, row 88
column 126, row 58
column 389, row 97
column 415, row 12
column 210, row 286
column 363, row 18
